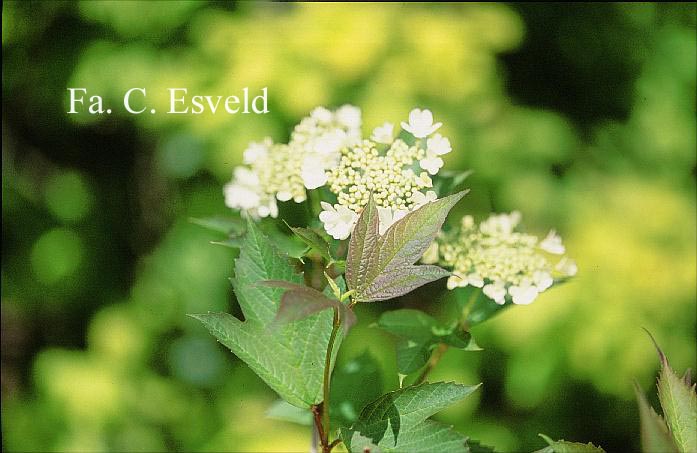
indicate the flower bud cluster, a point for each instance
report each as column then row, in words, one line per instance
column 283, row 172
column 395, row 172
column 504, row 262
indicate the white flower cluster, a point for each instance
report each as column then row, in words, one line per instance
column 283, row 172
column 394, row 172
column 501, row 261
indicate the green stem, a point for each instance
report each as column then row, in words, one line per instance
column 326, row 447
column 442, row 347
column 432, row 362
column 467, row 308
column 313, row 204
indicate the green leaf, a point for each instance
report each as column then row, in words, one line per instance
column 446, row 182
column 419, row 334
column 288, row 244
column 655, row 435
column 289, row 359
column 382, row 267
column 562, row 446
column 314, row 240
column 408, row 323
column 281, row 410
column 412, row 355
column 397, row 421
column 679, row 403
column 476, row 447
column 354, row 384
column 481, row 310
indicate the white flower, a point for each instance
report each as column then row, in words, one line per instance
column 542, row 280
column 419, row 198
column 430, row 256
column 242, row 191
column 321, row 114
column 313, row 173
column 349, row 116
column 338, row 220
column 438, row 145
column 330, row 143
column 268, row 209
column 257, row 150
column 383, row 134
column 552, row 244
column 495, row 291
column 567, row 267
column 524, row 294
column 420, row 123
column 463, row 281
column 432, row 163
column 500, row 224
column 283, row 195
column 454, row 281
column 388, row 217
column 508, row 261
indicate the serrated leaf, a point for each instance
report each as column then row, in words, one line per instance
column 476, row 447
column 419, row 334
column 679, row 403
column 289, row 359
column 281, row 410
column 299, row 302
column 412, row 355
column 562, row 446
column 408, row 323
column 382, row 267
column 655, row 435
column 461, row 340
column 397, row 421
column 354, row 384
column 314, row 240
column 427, row 437
column 288, row 244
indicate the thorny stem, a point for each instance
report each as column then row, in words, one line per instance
column 324, row 431
column 442, row 347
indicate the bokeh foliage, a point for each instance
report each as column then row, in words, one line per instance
column 581, row 117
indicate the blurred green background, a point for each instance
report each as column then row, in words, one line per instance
column 580, row 116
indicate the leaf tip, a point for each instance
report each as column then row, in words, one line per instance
column 546, row 438
column 662, row 357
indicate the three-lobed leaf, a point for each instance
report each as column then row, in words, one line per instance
column 398, row 420
column 289, row 358
column 382, row 267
